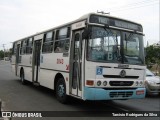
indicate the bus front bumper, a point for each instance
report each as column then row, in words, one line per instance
column 102, row 94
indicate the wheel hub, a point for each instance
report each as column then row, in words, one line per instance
column 61, row 90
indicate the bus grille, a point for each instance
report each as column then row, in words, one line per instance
column 118, row 76
column 121, row 83
column 120, row 94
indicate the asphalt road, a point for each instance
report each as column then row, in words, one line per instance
column 18, row 97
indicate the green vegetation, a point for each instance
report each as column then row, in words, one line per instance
column 153, row 58
column 1, row 54
column 7, row 54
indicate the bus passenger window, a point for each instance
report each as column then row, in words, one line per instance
column 62, row 40
column 58, row 47
column 29, row 46
column 14, row 48
column 48, row 42
column 23, row 47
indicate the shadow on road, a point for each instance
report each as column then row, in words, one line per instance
column 153, row 96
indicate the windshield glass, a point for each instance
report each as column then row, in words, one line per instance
column 149, row 73
column 133, row 48
column 103, row 45
column 108, row 45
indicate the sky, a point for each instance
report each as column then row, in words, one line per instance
column 21, row 18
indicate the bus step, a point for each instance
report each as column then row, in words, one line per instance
column 36, row 83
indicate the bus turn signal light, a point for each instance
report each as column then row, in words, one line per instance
column 90, row 82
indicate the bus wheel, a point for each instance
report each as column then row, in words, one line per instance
column 61, row 91
column 23, row 81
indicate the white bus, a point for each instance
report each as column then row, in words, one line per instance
column 96, row 57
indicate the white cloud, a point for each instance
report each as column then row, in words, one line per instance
column 20, row 18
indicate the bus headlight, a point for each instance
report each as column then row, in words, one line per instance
column 141, row 83
column 98, row 83
column 105, row 83
column 136, row 83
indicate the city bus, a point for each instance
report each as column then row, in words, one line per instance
column 95, row 57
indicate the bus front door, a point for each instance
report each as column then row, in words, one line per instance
column 76, row 64
column 37, row 51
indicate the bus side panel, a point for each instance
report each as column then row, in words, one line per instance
column 50, row 65
column 27, row 73
column 18, row 71
column 26, row 64
column 26, row 60
column 13, row 68
column 13, row 62
column 54, row 61
column 47, row 77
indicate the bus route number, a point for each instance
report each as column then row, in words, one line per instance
column 60, row 61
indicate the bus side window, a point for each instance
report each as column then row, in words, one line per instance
column 62, row 40
column 48, row 42
column 23, row 47
column 14, row 49
column 29, row 46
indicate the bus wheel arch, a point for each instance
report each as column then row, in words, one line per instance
column 60, row 88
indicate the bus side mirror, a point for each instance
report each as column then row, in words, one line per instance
column 86, row 34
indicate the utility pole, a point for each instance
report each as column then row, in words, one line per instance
column 4, row 50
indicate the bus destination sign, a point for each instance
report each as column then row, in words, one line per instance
column 115, row 22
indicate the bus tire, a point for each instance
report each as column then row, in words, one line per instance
column 61, row 91
column 23, row 81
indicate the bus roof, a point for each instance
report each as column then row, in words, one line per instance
column 84, row 17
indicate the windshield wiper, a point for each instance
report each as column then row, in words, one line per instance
column 119, row 57
column 110, row 33
column 130, row 36
column 133, row 57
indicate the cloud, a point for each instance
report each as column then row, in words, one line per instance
column 20, row 18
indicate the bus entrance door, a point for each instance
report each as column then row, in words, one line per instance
column 76, row 64
column 37, row 51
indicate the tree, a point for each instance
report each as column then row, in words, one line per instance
column 1, row 54
column 153, row 56
column 7, row 53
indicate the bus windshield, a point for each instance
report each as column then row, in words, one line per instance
column 115, row 46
